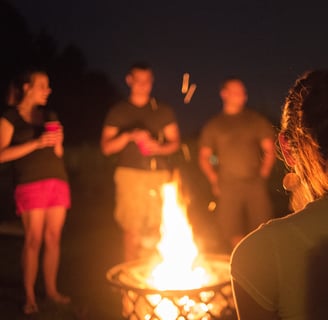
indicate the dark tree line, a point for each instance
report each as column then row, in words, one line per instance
column 80, row 96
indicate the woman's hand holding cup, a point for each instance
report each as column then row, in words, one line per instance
column 52, row 135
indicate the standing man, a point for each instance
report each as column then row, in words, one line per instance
column 243, row 142
column 144, row 132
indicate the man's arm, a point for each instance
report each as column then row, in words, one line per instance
column 111, row 142
column 247, row 308
column 204, row 156
column 172, row 136
column 171, row 144
column 269, row 157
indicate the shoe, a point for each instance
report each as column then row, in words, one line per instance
column 29, row 309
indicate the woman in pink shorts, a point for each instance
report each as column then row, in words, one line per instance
column 42, row 192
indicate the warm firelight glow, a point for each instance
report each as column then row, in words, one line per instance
column 177, row 270
column 181, row 285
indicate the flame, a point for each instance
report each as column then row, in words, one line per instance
column 177, row 270
column 180, row 269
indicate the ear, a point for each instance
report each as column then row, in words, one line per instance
column 26, row 86
column 285, row 149
column 222, row 92
column 128, row 80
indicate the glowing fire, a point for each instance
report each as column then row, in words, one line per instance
column 177, row 270
column 177, row 248
column 182, row 285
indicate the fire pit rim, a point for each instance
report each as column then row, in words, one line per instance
column 113, row 274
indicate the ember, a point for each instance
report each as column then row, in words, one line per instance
column 185, row 83
column 190, row 93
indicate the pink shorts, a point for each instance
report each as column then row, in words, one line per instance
column 42, row 194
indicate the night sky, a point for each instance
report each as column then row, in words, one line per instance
column 266, row 43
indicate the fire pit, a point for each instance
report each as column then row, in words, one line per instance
column 142, row 302
column 179, row 283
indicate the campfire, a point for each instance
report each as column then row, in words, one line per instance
column 179, row 283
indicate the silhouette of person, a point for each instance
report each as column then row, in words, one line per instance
column 143, row 131
column 42, row 193
column 273, row 266
column 243, row 142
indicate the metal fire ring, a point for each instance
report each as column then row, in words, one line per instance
column 129, row 278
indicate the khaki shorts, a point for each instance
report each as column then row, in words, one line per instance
column 138, row 198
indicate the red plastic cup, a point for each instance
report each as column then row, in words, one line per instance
column 143, row 150
column 52, row 126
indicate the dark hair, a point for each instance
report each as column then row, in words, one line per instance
column 26, row 76
column 12, row 94
column 140, row 65
column 228, row 79
column 304, row 122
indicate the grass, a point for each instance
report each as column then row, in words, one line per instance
column 91, row 242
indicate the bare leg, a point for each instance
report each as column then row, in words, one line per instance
column 54, row 221
column 33, row 225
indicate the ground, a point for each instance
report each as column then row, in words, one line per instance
column 91, row 242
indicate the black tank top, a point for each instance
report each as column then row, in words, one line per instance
column 41, row 163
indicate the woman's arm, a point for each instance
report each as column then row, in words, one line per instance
column 58, row 147
column 8, row 153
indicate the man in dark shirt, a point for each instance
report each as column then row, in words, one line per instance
column 143, row 132
column 243, row 142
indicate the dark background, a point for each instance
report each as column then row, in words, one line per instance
column 88, row 47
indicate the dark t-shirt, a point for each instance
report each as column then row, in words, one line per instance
column 283, row 264
column 41, row 163
column 152, row 117
column 236, row 141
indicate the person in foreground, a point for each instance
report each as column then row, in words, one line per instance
column 243, row 141
column 42, row 193
column 143, row 131
column 279, row 271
